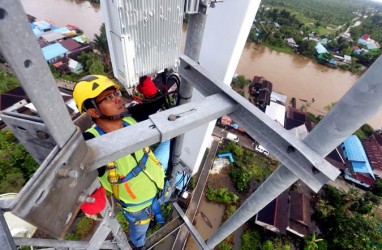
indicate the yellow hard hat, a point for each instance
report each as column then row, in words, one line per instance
column 90, row 87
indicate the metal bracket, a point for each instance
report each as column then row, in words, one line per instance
column 38, row 201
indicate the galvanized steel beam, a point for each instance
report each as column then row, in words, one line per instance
column 161, row 126
column 60, row 243
column 6, row 240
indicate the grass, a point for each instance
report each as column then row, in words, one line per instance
column 287, row 50
column 321, row 31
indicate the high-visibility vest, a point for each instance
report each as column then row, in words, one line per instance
column 138, row 192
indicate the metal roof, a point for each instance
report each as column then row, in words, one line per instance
column 53, row 50
column 356, row 154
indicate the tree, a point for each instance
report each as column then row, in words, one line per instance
column 16, row 165
column 92, row 63
column 307, row 48
column 311, row 242
column 101, row 44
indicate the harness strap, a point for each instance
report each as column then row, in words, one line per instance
column 137, row 169
column 155, row 209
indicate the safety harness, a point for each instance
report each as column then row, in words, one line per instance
column 115, row 180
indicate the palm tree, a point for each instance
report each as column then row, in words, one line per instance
column 311, row 243
column 100, row 42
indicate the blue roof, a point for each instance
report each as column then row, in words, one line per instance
column 355, row 153
column 53, row 50
column 320, row 49
column 37, row 32
column 43, row 25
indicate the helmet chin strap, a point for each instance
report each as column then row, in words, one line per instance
column 110, row 118
column 114, row 117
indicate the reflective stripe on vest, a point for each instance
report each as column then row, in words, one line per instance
column 140, row 188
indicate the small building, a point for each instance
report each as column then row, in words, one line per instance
column 295, row 118
column 373, row 46
column 358, row 169
column 320, row 49
column 291, row 42
column 52, row 36
column 288, row 212
column 276, row 112
column 53, row 52
column 74, row 66
column 347, row 59
column 70, row 44
column 356, row 50
column 374, row 154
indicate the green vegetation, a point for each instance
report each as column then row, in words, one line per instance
column 250, row 240
column 16, row 164
column 326, row 12
column 221, row 195
column 364, row 132
column 224, row 245
column 247, row 165
column 83, row 228
column 100, row 42
column 347, row 220
column 7, row 81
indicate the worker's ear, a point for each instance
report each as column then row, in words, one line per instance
column 93, row 113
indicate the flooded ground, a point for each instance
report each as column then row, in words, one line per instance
column 299, row 77
column 81, row 13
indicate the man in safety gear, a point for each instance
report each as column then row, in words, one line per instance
column 137, row 181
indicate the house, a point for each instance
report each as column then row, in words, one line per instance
column 295, row 118
column 374, row 154
column 52, row 36
column 288, row 212
column 276, row 112
column 53, row 51
column 356, row 50
column 70, row 44
column 347, row 59
column 320, row 49
column 373, row 46
column 260, row 92
column 291, row 42
column 74, row 66
column 358, row 169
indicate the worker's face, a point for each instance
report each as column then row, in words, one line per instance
column 110, row 102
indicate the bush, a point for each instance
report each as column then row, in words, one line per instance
column 250, row 240
column 241, row 178
column 224, row 245
column 83, row 228
column 221, row 195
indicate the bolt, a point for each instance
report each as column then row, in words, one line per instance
column 290, row 149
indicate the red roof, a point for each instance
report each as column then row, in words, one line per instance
column 374, row 153
column 70, row 44
column 365, row 37
column 356, row 48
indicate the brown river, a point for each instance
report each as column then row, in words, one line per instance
column 291, row 75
